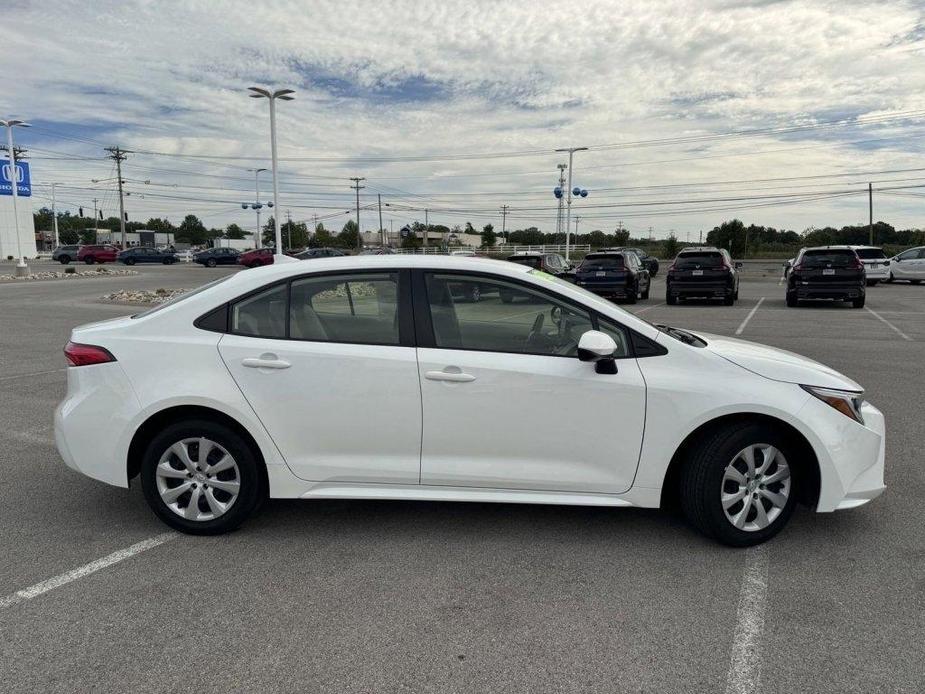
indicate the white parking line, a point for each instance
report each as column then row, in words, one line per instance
column 643, row 310
column 36, row 373
column 749, row 317
column 888, row 324
column 85, row 570
column 744, row 674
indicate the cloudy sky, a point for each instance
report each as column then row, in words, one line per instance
column 777, row 113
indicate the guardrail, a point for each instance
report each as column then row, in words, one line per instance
column 495, row 250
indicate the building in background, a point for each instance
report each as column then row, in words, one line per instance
column 9, row 248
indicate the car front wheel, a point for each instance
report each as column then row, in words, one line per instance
column 211, row 262
column 64, row 260
column 201, row 478
column 88, row 260
column 737, row 486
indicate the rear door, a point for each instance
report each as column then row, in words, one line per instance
column 506, row 402
column 334, row 377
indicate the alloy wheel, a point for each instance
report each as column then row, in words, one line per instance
column 198, row 479
column 755, row 487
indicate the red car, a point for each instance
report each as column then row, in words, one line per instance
column 256, row 257
column 97, row 254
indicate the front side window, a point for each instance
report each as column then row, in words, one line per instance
column 361, row 308
column 507, row 317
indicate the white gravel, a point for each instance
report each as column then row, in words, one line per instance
column 76, row 275
column 144, row 296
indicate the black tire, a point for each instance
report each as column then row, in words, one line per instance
column 251, row 491
column 729, row 300
column 702, row 483
column 671, row 300
column 632, row 296
column 211, row 262
column 792, row 300
column 64, row 259
column 890, row 278
column 89, row 260
column 858, row 303
column 916, row 281
column 129, row 261
column 645, row 294
column 872, row 283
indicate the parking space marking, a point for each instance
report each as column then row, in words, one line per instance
column 643, row 310
column 36, row 373
column 888, row 324
column 744, row 674
column 749, row 317
column 85, row 570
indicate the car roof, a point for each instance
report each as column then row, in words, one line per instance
column 829, row 248
column 700, row 249
column 605, row 252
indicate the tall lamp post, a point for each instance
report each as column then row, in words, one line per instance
column 256, row 205
column 22, row 269
column 568, row 200
column 283, row 95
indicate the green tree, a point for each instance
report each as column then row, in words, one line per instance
column 295, row 234
column 192, row 231
column 268, row 237
column 233, row 231
column 322, row 237
column 489, row 237
column 670, row 247
column 347, row 238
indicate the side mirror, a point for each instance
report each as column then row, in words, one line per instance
column 738, row 265
column 598, row 347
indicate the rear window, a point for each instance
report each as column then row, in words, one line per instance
column 690, row 260
column 834, row 257
column 528, row 260
column 870, row 253
column 602, row 262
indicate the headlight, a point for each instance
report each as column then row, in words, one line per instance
column 848, row 402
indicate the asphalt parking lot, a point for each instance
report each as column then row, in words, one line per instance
column 350, row 596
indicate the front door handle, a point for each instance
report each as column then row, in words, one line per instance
column 455, row 376
column 265, row 361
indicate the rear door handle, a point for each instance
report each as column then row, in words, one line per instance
column 451, row 376
column 265, row 361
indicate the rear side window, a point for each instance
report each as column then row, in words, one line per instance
column 602, row 262
column 356, row 308
column 694, row 260
column 262, row 314
column 826, row 258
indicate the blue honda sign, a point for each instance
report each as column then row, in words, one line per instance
column 23, row 179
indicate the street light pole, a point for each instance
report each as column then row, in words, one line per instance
column 284, row 95
column 568, row 203
column 54, row 215
column 257, row 206
column 22, row 270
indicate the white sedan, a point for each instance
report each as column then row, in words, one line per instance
column 363, row 378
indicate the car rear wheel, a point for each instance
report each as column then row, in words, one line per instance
column 671, row 300
column 858, row 303
column 64, row 259
column 872, row 283
column 211, row 262
column 916, row 281
column 645, row 294
column 201, row 478
column 792, row 300
column 89, row 260
column 729, row 300
column 632, row 295
column 737, row 485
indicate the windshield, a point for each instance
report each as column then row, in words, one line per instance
column 870, row 253
column 602, row 262
column 590, row 297
column 182, row 297
column 691, row 260
column 528, row 260
column 835, row 258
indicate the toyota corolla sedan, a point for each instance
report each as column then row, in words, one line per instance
column 365, row 378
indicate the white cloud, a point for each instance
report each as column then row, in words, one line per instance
column 412, row 78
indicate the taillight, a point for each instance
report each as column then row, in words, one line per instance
column 85, row 355
column 671, row 268
column 797, row 267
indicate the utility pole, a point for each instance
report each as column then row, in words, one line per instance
column 381, row 228
column 577, row 217
column 426, row 226
column 357, row 187
column 391, row 229
column 96, row 224
column 54, row 214
column 701, row 237
column 289, row 228
column 870, row 209
column 118, row 155
column 562, row 168
column 504, row 209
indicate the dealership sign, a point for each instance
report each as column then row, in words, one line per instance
column 23, row 179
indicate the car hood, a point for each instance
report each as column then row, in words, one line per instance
column 778, row 364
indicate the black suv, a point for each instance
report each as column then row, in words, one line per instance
column 615, row 275
column 649, row 261
column 827, row 272
column 310, row 253
column 551, row 263
column 706, row 273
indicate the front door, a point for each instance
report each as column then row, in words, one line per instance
column 330, row 370
column 506, row 402
column 909, row 265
